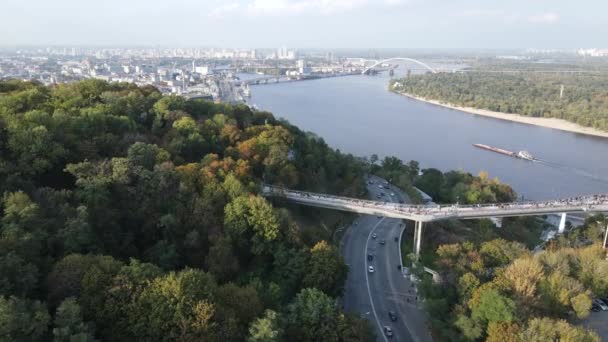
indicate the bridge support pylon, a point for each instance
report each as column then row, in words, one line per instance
column 497, row 221
column 417, row 238
column 562, row 224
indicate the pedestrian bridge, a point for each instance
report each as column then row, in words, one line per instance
column 423, row 213
column 428, row 213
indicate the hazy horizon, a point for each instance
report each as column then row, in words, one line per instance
column 348, row 24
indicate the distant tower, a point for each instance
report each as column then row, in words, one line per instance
column 561, row 92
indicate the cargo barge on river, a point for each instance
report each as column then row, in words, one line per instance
column 525, row 155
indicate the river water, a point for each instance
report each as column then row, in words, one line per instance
column 358, row 115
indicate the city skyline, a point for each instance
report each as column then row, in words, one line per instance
column 306, row 23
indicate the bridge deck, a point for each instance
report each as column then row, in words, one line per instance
column 594, row 203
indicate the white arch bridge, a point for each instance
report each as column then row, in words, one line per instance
column 428, row 67
column 423, row 213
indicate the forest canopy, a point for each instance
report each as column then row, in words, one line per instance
column 524, row 90
column 128, row 215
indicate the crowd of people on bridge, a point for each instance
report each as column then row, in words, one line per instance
column 583, row 202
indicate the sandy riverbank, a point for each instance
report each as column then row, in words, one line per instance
column 544, row 122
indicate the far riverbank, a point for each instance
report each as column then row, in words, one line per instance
column 543, row 122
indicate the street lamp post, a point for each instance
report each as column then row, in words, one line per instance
column 605, row 236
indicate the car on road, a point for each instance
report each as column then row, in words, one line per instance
column 374, row 236
column 396, row 239
column 414, row 279
column 378, row 196
column 370, row 269
column 388, row 331
column 382, row 242
column 601, row 304
column 392, row 315
column 370, row 257
column 595, row 308
column 380, row 187
column 400, row 201
column 392, row 194
column 382, row 194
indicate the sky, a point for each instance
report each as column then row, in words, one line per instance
column 307, row 23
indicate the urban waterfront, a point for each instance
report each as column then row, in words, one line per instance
column 358, row 115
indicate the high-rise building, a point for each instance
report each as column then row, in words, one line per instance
column 203, row 70
column 282, row 53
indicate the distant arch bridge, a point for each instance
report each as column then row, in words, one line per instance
column 428, row 67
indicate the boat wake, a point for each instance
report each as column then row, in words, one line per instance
column 573, row 170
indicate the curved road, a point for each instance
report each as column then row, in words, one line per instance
column 373, row 295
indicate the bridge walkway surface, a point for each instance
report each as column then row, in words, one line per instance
column 424, row 213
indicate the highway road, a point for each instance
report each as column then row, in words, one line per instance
column 373, row 295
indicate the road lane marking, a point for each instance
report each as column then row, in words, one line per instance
column 396, row 223
column 369, row 293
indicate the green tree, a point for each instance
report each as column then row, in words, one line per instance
column 69, row 324
column 546, row 329
column 177, row 306
column 500, row 252
column 503, row 332
column 236, row 307
column 78, row 235
column 146, row 155
column 470, row 328
column 22, row 320
column 326, row 269
column 581, row 304
column 467, row 283
column 251, row 219
column 221, row 261
column 17, row 277
column 312, row 317
column 116, row 303
column 431, row 182
column 266, row 328
column 355, row 329
column 494, row 307
column 523, row 276
column 67, row 275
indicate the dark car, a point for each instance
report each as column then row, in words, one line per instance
column 370, row 257
column 392, row 315
column 396, row 239
column 595, row 308
column 382, row 242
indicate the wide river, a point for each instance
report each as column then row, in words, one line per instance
column 358, row 115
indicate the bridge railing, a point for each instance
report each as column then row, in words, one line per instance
column 317, row 196
column 568, row 204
